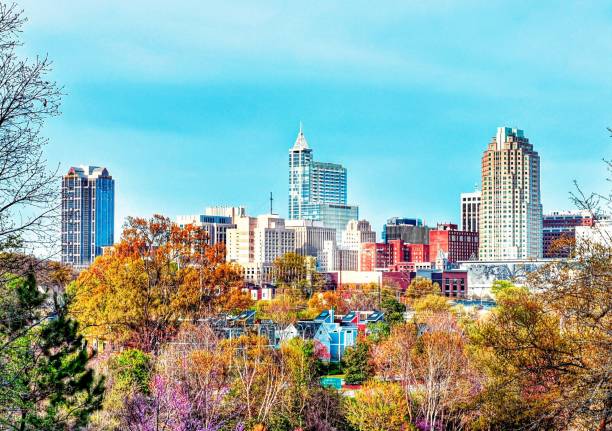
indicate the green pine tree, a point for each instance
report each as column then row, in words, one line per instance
column 45, row 380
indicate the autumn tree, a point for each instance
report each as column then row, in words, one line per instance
column 394, row 311
column 326, row 300
column 546, row 352
column 394, row 360
column 546, row 348
column 378, row 406
column 259, row 378
column 420, row 287
column 283, row 309
column 157, row 275
column 296, row 275
column 446, row 375
column 299, row 360
column 368, row 296
column 430, row 305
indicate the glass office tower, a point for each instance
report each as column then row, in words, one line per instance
column 88, row 214
column 317, row 191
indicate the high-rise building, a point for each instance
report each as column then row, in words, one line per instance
column 447, row 244
column 216, row 226
column 470, row 208
column 328, row 183
column 256, row 242
column 335, row 216
column 300, row 176
column 317, row 191
column 310, row 236
column 559, row 225
column 88, row 214
column 410, row 230
column 356, row 233
column 344, row 256
column 510, row 222
column 338, row 259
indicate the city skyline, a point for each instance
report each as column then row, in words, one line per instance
column 372, row 95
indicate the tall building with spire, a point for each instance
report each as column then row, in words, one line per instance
column 510, row 218
column 317, row 191
column 300, row 176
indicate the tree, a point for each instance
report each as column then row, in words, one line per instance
column 296, row 274
column 546, row 351
column 327, row 300
column 378, row 406
column 299, row 360
column 430, row 305
column 259, row 376
column 28, row 191
column 284, row 309
column 356, row 362
column 157, row 275
column 500, row 285
column 365, row 296
column 394, row 360
column 444, row 371
column 394, row 311
column 46, row 381
column 325, row 411
column 420, row 287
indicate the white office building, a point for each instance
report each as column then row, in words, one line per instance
column 470, row 211
column 256, row 242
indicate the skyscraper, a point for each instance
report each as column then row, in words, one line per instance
column 470, row 208
column 88, row 214
column 317, row 191
column 300, row 176
column 510, row 222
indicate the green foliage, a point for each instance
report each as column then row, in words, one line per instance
column 131, row 369
column 47, row 384
column 394, row 311
column 356, row 361
column 499, row 286
column 378, row 331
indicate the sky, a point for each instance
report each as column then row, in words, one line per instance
column 195, row 103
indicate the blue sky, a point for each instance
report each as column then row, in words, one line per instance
column 195, row 103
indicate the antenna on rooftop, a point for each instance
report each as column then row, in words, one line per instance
column 271, row 202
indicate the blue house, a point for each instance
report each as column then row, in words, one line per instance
column 335, row 336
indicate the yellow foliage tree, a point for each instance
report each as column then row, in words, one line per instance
column 378, row 406
column 156, row 276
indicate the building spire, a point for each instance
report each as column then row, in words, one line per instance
column 300, row 142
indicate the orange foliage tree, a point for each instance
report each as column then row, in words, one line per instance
column 158, row 275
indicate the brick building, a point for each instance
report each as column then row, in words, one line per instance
column 559, row 225
column 448, row 243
